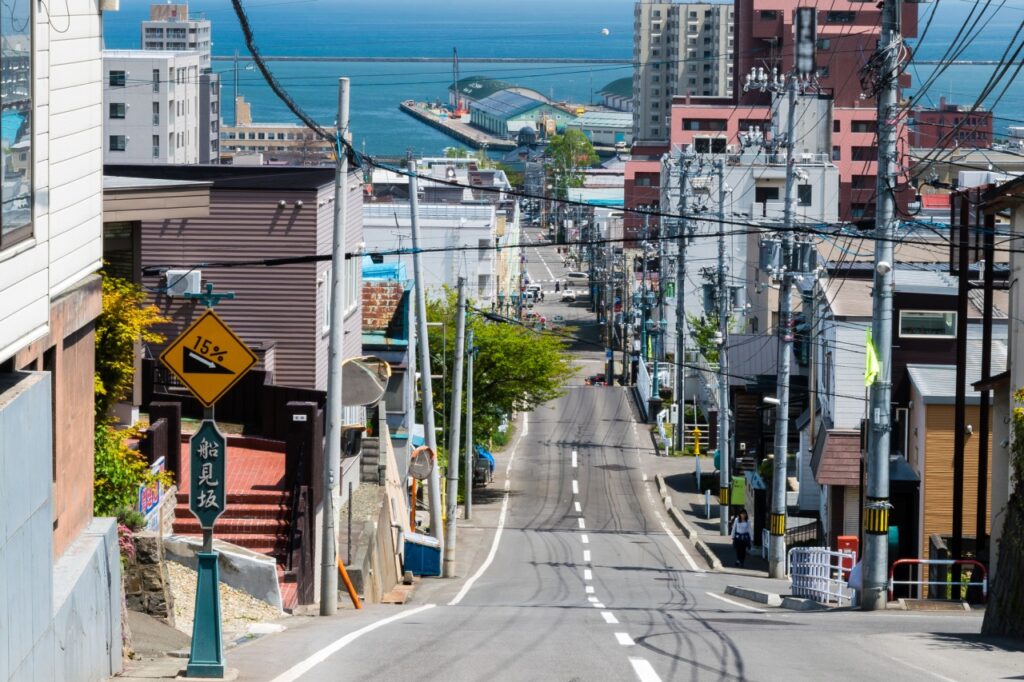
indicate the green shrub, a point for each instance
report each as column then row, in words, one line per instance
column 119, row 471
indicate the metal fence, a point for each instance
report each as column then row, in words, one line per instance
column 943, row 580
column 820, row 574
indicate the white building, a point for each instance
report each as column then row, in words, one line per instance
column 450, row 235
column 60, row 601
column 171, row 29
column 679, row 49
column 152, row 111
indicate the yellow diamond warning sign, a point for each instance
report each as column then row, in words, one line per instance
column 208, row 358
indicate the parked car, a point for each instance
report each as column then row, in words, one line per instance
column 533, row 288
column 577, row 277
column 568, row 296
column 596, row 380
column 556, row 322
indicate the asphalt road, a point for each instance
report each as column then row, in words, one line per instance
column 569, row 571
column 586, row 582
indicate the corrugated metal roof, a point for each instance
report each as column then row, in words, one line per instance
column 478, row 87
column 604, row 119
column 623, row 87
column 849, row 297
column 937, row 383
column 506, row 104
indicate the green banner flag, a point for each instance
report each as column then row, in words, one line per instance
column 871, row 364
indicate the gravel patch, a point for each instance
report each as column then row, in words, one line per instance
column 238, row 609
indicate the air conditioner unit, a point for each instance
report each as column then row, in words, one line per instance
column 806, row 158
column 181, row 282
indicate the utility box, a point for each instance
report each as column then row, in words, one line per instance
column 848, row 543
column 422, row 554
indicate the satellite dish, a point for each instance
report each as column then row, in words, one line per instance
column 605, row 32
column 363, row 381
column 421, row 463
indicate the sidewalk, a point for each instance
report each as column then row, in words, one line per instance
column 680, row 483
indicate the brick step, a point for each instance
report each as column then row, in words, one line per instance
column 270, row 497
column 280, row 512
column 269, row 545
column 243, row 526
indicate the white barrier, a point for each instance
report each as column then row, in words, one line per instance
column 818, row 573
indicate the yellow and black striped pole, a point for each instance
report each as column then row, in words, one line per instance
column 876, row 516
column 777, row 524
column 723, row 496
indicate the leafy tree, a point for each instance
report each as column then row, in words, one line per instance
column 1006, row 597
column 118, row 471
column 456, row 153
column 702, row 330
column 125, row 320
column 570, row 153
column 515, row 369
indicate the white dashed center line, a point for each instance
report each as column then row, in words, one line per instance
column 589, row 589
column 587, row 574
column 598, row 605
column 573, row 459
column 592, row 600
column 624, row 639
column 584, row 539
column 578, row 507
column 575, row 488
column 586, row 556
column 609, row 617
column 644, row 670
column 581, row 522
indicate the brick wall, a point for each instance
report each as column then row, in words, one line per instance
column 381, row 301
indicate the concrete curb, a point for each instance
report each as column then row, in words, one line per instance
column 760, row 596
column 801, row 604
column 689, row 531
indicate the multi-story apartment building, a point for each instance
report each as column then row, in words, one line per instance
column 951, row 125
column 678, row 49
column 170, row 28
column 258, row 143
column 152, row 106
column 60, row 600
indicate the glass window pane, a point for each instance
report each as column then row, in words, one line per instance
column 16, row 118
column 928, row 323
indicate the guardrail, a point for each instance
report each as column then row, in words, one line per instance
column 819, row 573
column 949, row 581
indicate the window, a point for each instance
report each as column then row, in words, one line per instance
column 837, row 154
column 863, row 126
column 864, row 153
column 768, row 15
column 863, row 182
column 765, row 194
column 704, row 124
column 117, row 143
column 927, row 324
column 156, row 146
column 156, row 113
column 858, row 210
column 325, row 286
column 117, row 110
column 804, row 193
column 116, row 79
column 837, row 126
column 16, row 102
column 352, row 285
column 156, row 80
column 840, row 17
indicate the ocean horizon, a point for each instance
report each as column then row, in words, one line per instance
column 531, row 29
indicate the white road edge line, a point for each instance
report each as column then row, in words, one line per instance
column 300, row 669
column 624, row 639
column 682, row 550
column 644, row 670
column 609, row 617
column 575, row 487
column 586, row 556
column 735, row 603
column 501, row 521
column 918, row 668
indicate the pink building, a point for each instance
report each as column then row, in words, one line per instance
column 951, row 125
column 847, row 32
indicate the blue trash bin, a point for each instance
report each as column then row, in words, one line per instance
column 422, row 554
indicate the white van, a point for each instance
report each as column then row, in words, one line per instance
column 576, row 277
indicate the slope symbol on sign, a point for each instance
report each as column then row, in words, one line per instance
column 194, row 363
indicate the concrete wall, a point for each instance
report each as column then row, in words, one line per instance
column 60, row 621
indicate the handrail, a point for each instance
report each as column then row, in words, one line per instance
column 939, row 562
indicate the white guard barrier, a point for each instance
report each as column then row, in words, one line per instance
column 820, row 574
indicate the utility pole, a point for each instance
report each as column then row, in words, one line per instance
column 876, row 506
column 453, row 440
column 777, row 518
column 426, row 383
column 335, row 355
column 470, row 355
column 685, row 159
column 643, row 287
column 609, row 305
column 725, row 480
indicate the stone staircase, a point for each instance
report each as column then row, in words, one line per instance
column 370, row 466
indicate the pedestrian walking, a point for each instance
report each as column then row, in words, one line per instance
column 741, row 536
column 557, row 286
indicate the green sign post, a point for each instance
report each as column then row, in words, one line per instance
column 209, row 359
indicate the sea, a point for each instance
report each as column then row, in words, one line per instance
column 525, row 31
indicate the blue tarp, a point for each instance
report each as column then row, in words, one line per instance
column 484, row 454
column 10, row 124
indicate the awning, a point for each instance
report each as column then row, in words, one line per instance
column 836, row 458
